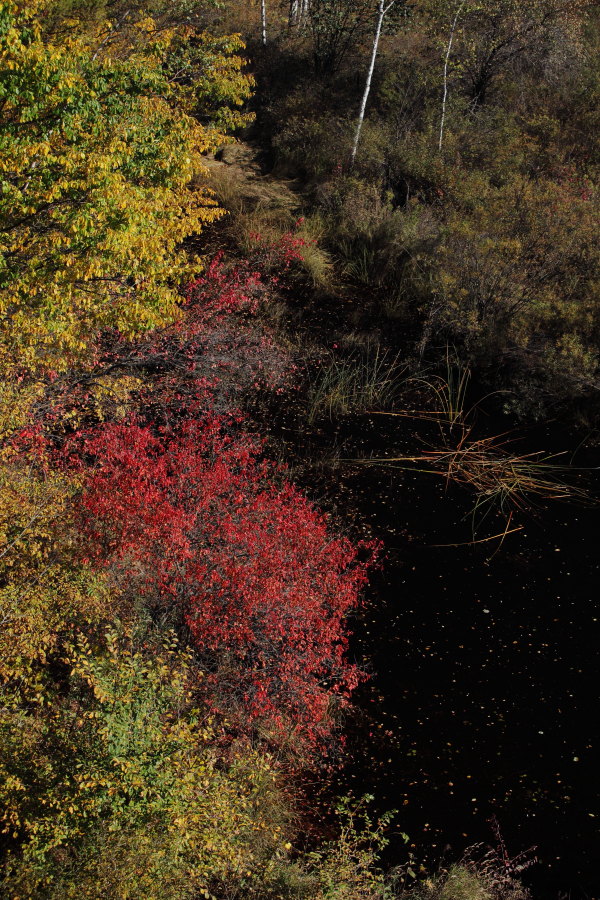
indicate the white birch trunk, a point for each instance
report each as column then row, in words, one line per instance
column 446, row 61
column 263, row 21
column 382, row 11
column 298, row 13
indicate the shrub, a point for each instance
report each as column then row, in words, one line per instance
column 117, row 790
column 194, row 521
column 97, row 160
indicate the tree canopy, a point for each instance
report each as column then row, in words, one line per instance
column 98, row 160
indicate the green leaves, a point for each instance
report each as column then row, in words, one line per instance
column 124, row 753
column 97, row 161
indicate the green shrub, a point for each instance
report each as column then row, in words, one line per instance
column 115, row 789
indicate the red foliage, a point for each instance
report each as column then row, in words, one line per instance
column 216, row 344
column 223, row 291
column 279, row 255
column 215, row 356
column 179, row 506
column 263, row 584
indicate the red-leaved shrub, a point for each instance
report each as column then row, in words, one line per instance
column 197, row 522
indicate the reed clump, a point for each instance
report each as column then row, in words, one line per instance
column 498, row 476
column 355, row 383
column 502, row 479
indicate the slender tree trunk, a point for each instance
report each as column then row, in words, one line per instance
column 446, row 61
column 263, row 21
column 298, row 12
column 382, row 10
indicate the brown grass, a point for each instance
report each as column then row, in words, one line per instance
column 502, row 479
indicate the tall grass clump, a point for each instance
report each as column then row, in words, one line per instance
column 464, row 882
column 263, row 211
column 484, row 873
column 503, row 480
column 362, row 381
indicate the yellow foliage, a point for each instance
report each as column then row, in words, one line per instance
column 127, row 797
column 97, row 190
column 43, row 590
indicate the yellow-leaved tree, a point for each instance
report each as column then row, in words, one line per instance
column 117, row 790
column 97, row 192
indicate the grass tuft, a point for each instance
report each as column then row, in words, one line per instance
column 503, row 480
column 359, row 382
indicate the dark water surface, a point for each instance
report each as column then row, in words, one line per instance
column 485, row 693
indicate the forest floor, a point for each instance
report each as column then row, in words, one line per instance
column 240, row 165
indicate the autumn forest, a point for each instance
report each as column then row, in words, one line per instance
column 300, row 351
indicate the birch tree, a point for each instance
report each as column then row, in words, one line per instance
column 263, row 21
column 487, row 37
column 383, row 8
column 298, row 13
column 445, row 78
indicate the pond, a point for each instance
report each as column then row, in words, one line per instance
column 485, row 672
